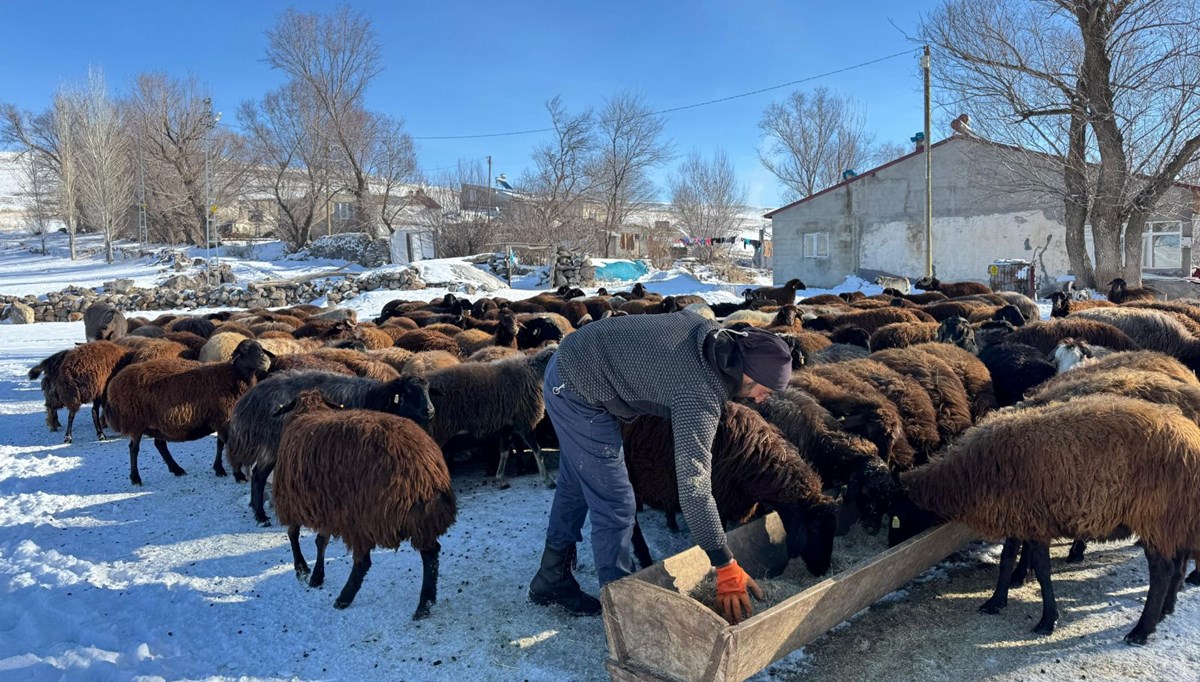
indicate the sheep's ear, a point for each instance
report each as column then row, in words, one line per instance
column 285, row 409
column 269, row 354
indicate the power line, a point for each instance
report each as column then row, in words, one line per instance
column 686, row 106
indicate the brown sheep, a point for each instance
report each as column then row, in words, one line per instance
column 1150, row 386
column 485, row 399
column 234, row 328
column 396, row 357
column 971, row 372
column 492, row 353
column 404, row 323
column 753, row 464
column 1187, row 310
column 957, row 308
column 952, row 289
column 823, row 299
column 1063, row 305
column 1152, row 330
column 327, row 330
column 919, row 299
column 1047, row 334
column 76, row 377
column 375, row 338
column 939, row 380
column 194, row 342
column 421, row 364
column 782, row 295
column 371, row 478
column 647, row 307
column 1126, row 461
column 261, row 328
column 1119, row 292
column 304, row 361
column 180, row 400
column 913, row 403
column 505, row 336
column 361, row 364
column 445, row 328
column 844, row 393
column 1141, row 361
column 838, row 456
column 903, row 335
column 421, row 340
column 868, row 320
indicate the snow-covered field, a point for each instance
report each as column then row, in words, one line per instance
column 173, row 580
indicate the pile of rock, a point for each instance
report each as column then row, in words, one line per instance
column 572, row 268
column 356, row 247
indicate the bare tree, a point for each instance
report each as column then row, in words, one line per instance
column 392, row 164
column 630, row 146
column 1109, row 88
column 171, row 126
column 105, row 174
column 286, row 134
column 551, row 210
column 810, row 139
column 334, row 59
column 707, row 199
column 67, row 105
column 48, row 136
column 38, row 195
column 461, row 226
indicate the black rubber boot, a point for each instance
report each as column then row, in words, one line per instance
column 554, row 584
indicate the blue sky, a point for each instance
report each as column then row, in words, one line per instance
column 459, row 68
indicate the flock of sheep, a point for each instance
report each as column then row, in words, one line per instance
column 955, row 403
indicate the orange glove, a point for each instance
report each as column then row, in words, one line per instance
column 732, row 600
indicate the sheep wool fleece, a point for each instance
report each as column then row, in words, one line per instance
column 678, row 366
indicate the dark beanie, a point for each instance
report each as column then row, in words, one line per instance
column 766, row 358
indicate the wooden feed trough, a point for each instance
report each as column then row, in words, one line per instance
column 657, row 632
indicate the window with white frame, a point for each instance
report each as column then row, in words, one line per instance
column 343, row 210
column 1162, row 245
column 816, row 245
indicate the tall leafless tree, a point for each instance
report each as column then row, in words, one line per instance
column 630, row 145
column 811, row 138
column 333, row 59
column 707, row 198
column 106, row 179
column 49, row 136
column 552, row 208
column 1109, row 88
column 287, row 137
column 37, row 195
column 172, row 126
column 391, row 162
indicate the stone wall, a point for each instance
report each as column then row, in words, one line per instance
column 183, row 292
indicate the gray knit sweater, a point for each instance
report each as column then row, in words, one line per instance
column 673, row 366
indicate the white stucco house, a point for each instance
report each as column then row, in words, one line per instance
column 874, row 222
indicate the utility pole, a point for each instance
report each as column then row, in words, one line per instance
column 925, row 66
column 143, row 228
column 208, row 200
column 210, row 123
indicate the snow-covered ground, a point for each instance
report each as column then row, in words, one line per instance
column 100, row 580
